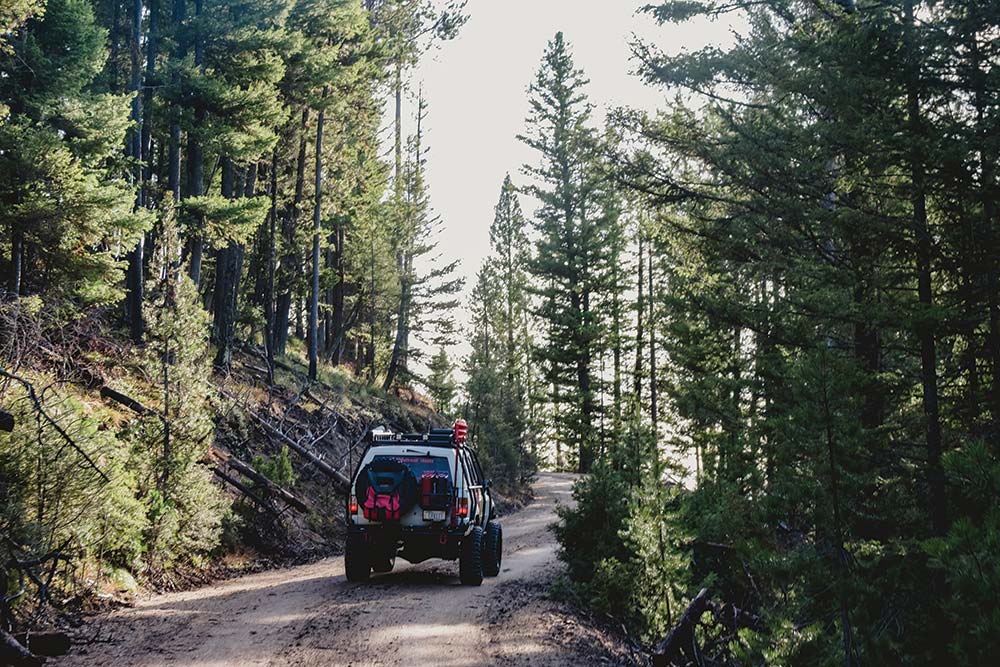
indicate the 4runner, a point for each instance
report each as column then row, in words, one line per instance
column 421, row 496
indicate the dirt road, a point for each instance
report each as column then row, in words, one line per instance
column 311, row 616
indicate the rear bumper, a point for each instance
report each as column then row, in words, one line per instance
column 413, row 543
column 386, row 529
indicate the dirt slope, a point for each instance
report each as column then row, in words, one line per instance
column 417, row 615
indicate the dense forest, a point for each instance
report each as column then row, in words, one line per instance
column 767, row 326
column 191, row 192
column 763, row 323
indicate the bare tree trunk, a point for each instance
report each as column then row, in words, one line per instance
column 291, row 262
column 338, row 303
column 227, row 278
column 313, row 342
column 134, row 294
column 925, row 328
column 640, row 338
column 398, row 125
column 174, row 158
column 272, row 224
column 372, row 315
column 653, row 389
column 152, row 46
column 396, row 361
column 16, row 259
column 196, row 157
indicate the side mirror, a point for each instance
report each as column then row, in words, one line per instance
column 488, row 484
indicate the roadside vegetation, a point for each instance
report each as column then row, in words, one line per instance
column 764, row 322
column 214, row 281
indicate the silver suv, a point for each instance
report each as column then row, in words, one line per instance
column 421, row 496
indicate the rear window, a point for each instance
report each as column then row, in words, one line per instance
column 419, row 465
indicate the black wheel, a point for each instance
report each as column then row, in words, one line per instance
column 493, row 549
column 357, row 559
column 470, row 561
column 383, row 564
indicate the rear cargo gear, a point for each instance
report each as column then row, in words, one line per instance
column 387, row 490
column 435, row 491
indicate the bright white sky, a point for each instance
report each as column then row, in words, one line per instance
column 476, row 90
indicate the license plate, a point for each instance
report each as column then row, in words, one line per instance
column 434, row 515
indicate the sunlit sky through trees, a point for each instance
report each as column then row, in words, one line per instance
column 476, row 86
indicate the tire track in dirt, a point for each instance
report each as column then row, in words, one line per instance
column 310, row 616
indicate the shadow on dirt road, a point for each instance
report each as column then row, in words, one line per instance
column 311, row 616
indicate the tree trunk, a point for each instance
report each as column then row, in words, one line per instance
column 174, row 158
column 13, row 653
column 272, row 224
column 925, row 327
column 134, row 294
column 227, row 278
column 653, row 389
column 16, row 259
column 339, row 294
column 680, row 641
column 398, row 126
column 152, row 45
column 196, row 158
column 372, row 314
column 397, row 360
column 313, row 342
column 640, row 341
column 290, row 262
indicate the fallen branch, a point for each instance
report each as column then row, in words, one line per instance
column 246, row 491
column 127, row 401
column 247, row 471
column 14, row 654
column 681, row 637
column 339, row 478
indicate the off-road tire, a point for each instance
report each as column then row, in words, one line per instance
column 357, row 559
column 470, row 561
column 383, row 564
column 493, row 549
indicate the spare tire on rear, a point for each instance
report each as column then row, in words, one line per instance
column 386, row 490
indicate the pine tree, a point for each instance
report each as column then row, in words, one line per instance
column 573, row 227
column 441, row 383
column 426, row 293
column 500, row 372
column 817, row 324
column 184, row 507
column 65, row 213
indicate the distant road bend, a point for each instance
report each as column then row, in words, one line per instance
column 310, row 616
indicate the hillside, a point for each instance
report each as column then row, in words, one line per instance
column 113, row 492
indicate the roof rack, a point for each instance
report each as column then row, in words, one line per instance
column 438, row 437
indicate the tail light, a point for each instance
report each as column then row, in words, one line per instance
column 463, row 507
column 353, row 505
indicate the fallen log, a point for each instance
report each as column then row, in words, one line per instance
column 339, row 478
column 246, row 491
column 50, row 643
column 6, row 421
column 127, row 401
column 247, row 471
column 681, row 637
column 13, row 653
